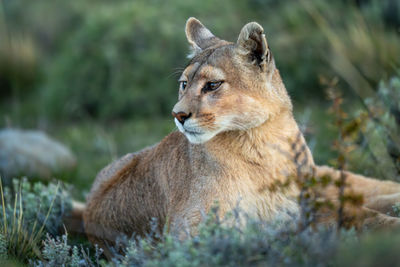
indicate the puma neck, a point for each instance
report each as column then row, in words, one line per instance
column 273, row 138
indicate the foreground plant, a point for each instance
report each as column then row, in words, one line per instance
column 222, row 242
column 57, row 252
column 27, row 215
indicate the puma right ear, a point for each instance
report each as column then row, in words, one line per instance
column 198, row 36
column 252, row 43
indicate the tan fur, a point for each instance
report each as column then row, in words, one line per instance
column 241, row 144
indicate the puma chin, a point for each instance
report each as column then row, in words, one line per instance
column 195, row 135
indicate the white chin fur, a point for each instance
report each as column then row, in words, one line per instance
column 194, row 138
column 199, row 138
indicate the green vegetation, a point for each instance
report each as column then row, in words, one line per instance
column 100, row 77
column 57, row 252
column 28, row 212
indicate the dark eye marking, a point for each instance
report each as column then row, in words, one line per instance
column 182, row 85
column 211, row 86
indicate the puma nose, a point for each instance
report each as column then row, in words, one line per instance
column 181, row 116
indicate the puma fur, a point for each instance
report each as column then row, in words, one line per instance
column 235, row 141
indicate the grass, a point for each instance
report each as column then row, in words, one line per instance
column 21, row 242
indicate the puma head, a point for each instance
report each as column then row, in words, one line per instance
column 227, row 86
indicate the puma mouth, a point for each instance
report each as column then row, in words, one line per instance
column 188, row 130
column 193, row 132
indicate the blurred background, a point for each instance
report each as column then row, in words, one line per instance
column 84, row 82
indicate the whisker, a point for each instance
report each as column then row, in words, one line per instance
column 174, row 73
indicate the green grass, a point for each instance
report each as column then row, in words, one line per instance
column 18, row 241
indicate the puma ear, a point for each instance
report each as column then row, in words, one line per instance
column 199, row 37
column 252, row 43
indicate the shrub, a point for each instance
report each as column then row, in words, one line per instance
column 223, row 243
column 372, row 249
column 375, row 143
column 27, row 40
column 26, row 216
column 56, row 252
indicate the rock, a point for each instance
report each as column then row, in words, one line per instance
column 32, row 153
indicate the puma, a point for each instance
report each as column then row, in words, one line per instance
column 236, row 139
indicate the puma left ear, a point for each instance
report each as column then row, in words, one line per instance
column 252, row 43
column 199, row 37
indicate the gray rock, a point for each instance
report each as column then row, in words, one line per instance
column 32, row 153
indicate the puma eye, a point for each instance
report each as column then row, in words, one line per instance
column 212, row 86
column 182, row 85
